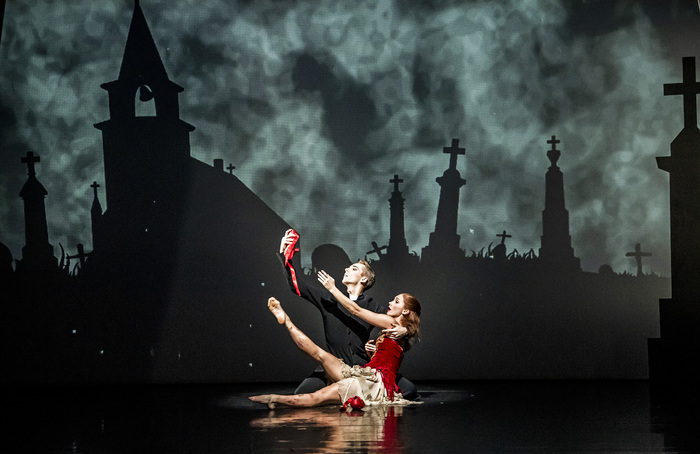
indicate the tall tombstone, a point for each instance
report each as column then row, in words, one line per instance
column 443, row 243
column 676, row 353
column 556, row 250
column 397, row 236
column 37, row 253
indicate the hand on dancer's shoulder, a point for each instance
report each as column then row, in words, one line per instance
column 287, row 239
column 395, row 332
column 326, row 280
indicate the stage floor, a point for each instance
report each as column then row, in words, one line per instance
column 463, row 417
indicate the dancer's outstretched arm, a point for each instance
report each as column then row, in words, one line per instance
column 379, row 320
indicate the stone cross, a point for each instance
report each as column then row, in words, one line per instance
column 396, row 182
column 504, row 236
column 94, row 187
column 376, row 249
column 81, row 255
column 689, row 88
column 453, row 151
column 553, row 154
column 30, row 159
column 638, row 254
column 230, row 168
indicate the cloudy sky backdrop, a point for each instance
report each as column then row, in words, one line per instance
column 319, row 104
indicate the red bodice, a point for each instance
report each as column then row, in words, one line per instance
column 387, row 360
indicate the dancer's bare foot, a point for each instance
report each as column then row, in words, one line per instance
column 267, row 399
column 276, row 308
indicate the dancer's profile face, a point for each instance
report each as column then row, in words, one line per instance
column 353, row 274
column 397, row 307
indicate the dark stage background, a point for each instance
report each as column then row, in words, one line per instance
column 303, row 112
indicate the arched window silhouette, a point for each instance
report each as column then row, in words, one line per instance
column 145, row 105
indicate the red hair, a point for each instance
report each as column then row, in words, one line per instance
column 412, row 320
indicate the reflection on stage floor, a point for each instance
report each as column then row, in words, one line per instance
column 464, row 417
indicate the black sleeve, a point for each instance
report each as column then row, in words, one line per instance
column 373, row 305
column 309, row 293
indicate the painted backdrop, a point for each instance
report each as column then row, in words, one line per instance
column 336, row 119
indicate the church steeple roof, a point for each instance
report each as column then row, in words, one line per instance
column 141, row 57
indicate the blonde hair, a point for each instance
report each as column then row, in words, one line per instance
column 367, row 272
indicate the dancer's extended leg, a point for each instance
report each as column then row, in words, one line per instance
column 327, row 395
column 330, row 363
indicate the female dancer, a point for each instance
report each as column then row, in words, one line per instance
column 375, row 382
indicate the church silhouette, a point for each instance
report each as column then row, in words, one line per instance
column 183, row 261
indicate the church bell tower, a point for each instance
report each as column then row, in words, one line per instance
column 146, row 148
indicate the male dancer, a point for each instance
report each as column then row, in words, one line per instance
column 346, row 335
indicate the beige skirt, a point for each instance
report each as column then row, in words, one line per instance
column 367, row 384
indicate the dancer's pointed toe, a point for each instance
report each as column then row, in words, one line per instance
column 276, row 308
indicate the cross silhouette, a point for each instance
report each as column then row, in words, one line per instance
column 376, row 249
column 30, row 159
column 396, row 182
column 453, row 151
column 230, row 168
column 94, row 187
column 638, row 254
column 81, row 255
column 504, row 236
column 689, row 88
column 553, row 154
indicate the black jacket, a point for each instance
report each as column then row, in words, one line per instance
column 346, row 335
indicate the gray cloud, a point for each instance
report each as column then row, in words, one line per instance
column 396, row 82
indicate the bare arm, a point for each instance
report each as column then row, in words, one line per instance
column 379, row 320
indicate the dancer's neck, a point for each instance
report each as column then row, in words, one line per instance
column 354, row 291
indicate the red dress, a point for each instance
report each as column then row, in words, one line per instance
column 387, row 360
column 375, row 382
